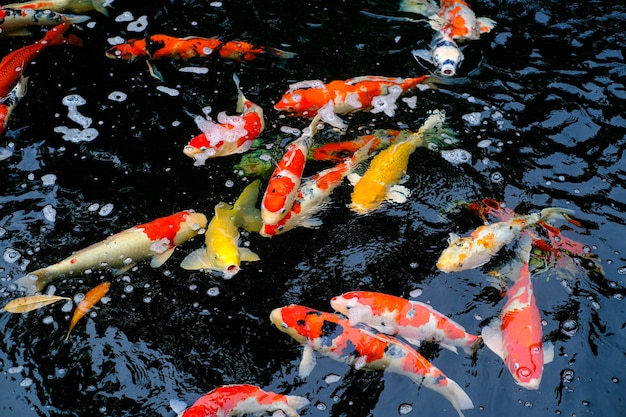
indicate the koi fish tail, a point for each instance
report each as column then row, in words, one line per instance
column 485, row 24
column 34, row 282
column 423, row 7
column 247, row 215
column 279, row 53
column 552, row 213
column 55, row 36
column 473, row 347
column 455, row 394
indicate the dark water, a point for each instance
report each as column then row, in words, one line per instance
column 540, row 109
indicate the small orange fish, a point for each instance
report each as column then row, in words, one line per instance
column 91, row 298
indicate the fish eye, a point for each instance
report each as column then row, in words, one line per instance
column 284, row 325
column 203, row 148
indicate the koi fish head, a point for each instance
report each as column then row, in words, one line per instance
column 304, row 101
column 129, row 51
column 305, row 324
column 526, row 365
column 459, row 255
column 196, row 145
column 446, row 56
column 352, row 306
column 191, row 224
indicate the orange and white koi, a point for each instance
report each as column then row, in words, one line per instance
column 368, row 93
column 313, row 194
column 13, row 22
column 222, row 253
column 12, row 65
column 231, row 135
column 8, row 103
column 163, row 46
column 453, row 18
column 74, row 6
column 516, row 335
column 243, row 399
column 486, row 241
column 155, row 240
column 91, row 298
column 282, row 187
column 414, row 321
column 380, row 181
column 338, row 151
column 362, row 347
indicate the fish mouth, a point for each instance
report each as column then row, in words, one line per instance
column 448, row 70
column 231, row 271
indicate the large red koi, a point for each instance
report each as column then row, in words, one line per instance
column 243, row 399
column 363, row 347
column 414, row 321
column 155, row 240
column 231, row 135
column 12, row 65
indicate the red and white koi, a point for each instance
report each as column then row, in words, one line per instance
column 313, row 194
column 414, row 321
column 155, row 240
column 12, row 65
column 516, row 335
column 13, row 22
column 8, row 103
column 231, row 135
column 368, row 93
column 362, row 347
column 243, row 399
column 74, row 6
column 486, row 241
column 282, row 187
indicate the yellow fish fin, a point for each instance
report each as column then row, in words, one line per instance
column 246, row 215
column 247, row 255
column 198, row 259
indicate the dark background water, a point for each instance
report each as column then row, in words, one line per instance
column 548, row 87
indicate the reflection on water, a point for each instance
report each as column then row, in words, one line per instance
column 539, row 106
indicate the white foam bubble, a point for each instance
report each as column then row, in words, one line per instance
column 77, row 135
column 473, row 119
column 106, row 209
column 5, row 153
column 125, row 17
column 48, row 179
column 195, row 70
column 115, row 40
column 50, row 213
column 138, row 25
column 306, row 84
column 456, row 156
column 167, row 90
column 11, row 255
column 118, row 96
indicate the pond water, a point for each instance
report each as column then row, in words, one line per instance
column 539, row 103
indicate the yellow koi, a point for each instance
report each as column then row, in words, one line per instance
column 222, row 252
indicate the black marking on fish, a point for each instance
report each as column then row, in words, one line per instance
column 330, row 331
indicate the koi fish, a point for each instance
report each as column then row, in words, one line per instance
column 91, row 298
column 155, row 240
column 444, row 54
column 12, row 65
column 313, row 193
column 222, row 252
column 163, row 46
column 74, row 6
column 486, row 241
column 243, row 399
column 338, row 151
column 8, row 103
column 380, row 181
column 453, row 18
column 362, row 347
column 13, row 22
column 282, row 187
column 368, row 93
column 414, row 321
column 516, row 335
column 231, row 135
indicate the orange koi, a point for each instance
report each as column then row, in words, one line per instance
column 362, row 347
column 13, row 21
column 155, row 240
column 368, row 93
column 243, row 399
column 91, row 298
column 516, row 336
column 163, row 46
column 12, row 65
column 414, row 321
column 231, row 135
column 282, row 187
column 74, row 6
column 456, row 19
column 380, row 139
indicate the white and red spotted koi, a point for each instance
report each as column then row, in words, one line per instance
column 414, row 321
column 362, row 347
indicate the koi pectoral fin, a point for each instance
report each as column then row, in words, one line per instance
column 492, row 336
column 198, row 259
column 160, row 258
column 307, row 363
column 154, row 72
